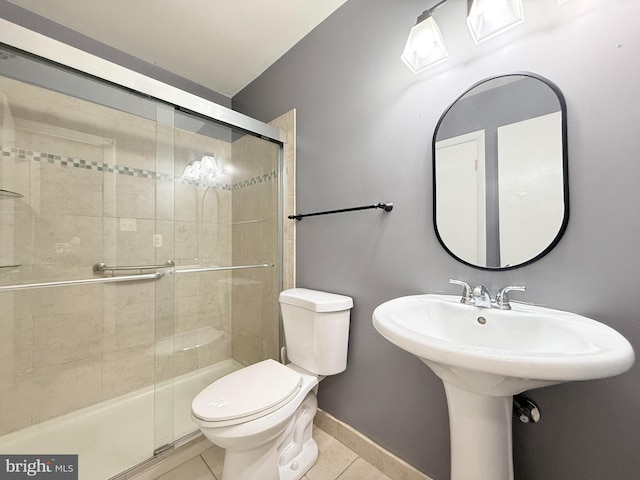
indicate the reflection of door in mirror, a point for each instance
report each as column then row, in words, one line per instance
column 461, row 190
column 530, row 186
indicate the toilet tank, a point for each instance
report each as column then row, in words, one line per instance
column 316, row 329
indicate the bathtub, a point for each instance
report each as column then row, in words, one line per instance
column 115, row 435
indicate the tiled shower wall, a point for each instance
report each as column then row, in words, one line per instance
column 255, row 240
column 103, row 185
column 255, row 234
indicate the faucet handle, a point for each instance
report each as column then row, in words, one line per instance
column 502, row 297
column 466, row 292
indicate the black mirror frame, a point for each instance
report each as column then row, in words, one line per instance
column 565, row 170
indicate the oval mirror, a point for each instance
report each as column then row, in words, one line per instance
column 501, row 194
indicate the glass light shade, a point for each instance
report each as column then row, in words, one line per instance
column 425, row 47
column 488, row 18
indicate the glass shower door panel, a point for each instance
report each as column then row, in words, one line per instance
column 256, row 239
column 137, row 320
column 164, row 291
column 226, row 215
column 202, row 239
column 77, row 363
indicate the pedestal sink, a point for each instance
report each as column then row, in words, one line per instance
column 485, row 356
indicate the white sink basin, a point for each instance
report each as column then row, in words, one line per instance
column 513, row 350
column 484, row 356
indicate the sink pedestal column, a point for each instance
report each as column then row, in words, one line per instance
column 481, row 443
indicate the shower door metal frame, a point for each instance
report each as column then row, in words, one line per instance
column 37, row 44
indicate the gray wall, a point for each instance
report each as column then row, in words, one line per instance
column 364, row 136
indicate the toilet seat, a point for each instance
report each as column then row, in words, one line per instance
column 249, row 393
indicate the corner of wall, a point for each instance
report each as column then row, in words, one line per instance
column 287, row 122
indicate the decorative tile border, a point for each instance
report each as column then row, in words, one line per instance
column 29, row 155
column 255, row 180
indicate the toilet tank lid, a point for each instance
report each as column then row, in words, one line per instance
column 316, row 300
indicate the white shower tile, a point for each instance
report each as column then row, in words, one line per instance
column 51, row 143
column 135, row 145
column 165, row 202
column 215, row 244
column 135, row 196
column 127, row 370
column 186, row 285
column 109, row 193
column 67, row 190
column 129, row 326
column 130, row 242
column 67, row 337
column 185, row 314
column 216, row 205
column 16, row 397
column 16, row 343
column 164, row 323
column 165, row 250
column 186, row 241
column 214, row 352
column 187, row 202
column 67, row 239
column 246, row 349
column 65, row 388
column 185, row 361
column 128, row 293
column 76, row 299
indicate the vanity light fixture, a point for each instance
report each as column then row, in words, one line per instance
column 425, row 47
column 485, row 19
column 488, row 18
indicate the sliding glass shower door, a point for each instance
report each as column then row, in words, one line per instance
column 139, row 262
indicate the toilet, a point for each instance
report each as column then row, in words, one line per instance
column 262, row 415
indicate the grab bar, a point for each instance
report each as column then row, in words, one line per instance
column 102, row 267
column 64, row 283
column 219, row 269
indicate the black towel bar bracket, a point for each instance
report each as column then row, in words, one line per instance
column 386, row 206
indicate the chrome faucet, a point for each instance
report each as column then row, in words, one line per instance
column 481, row 297
column 502, row 297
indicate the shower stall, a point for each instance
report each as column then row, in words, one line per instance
column 140, row 260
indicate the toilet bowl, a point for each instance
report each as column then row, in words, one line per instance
column 270, row 439
column 262, row 415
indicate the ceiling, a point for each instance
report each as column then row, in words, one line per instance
column 220, row 44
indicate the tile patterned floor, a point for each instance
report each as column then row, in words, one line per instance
column 335, row 462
